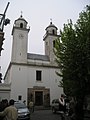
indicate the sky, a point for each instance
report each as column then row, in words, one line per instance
column 38, row 14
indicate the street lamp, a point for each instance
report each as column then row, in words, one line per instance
column 3, row 22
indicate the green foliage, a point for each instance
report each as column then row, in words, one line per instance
column 72, row 52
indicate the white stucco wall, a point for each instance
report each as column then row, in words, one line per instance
column 24, row 77
column 19, row 82
column 49, row 80
column 5, row 90
column 4, row 95
column 19, row 47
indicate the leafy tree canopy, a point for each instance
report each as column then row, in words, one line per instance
column 72, row 52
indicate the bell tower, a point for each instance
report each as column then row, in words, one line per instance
column 49, row 38
column 20, row 41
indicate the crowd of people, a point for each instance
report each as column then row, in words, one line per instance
column 8, row 110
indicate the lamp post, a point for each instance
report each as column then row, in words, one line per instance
column 3, row 22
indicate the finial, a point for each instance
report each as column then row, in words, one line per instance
column 21, row 14
column 50, row 20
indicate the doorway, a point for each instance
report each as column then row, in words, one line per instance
column 38, row 98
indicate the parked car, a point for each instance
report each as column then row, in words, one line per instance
column 23, row 111
column 55, row 106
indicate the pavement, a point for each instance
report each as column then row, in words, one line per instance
column 46, row 114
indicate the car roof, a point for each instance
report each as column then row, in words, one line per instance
column 19, row 104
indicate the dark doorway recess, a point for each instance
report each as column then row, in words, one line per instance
column 39, row 98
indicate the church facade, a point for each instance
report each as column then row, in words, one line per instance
column 33, row 76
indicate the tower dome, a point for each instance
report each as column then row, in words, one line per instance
column 50, row 30
column 20, row 22
column 51, row 25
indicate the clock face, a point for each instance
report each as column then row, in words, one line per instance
column 21, row 36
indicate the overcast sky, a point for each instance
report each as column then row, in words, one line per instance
column 38, row 14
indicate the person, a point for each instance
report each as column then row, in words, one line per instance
column 10, row 112
column 3, row 105
column 31, row 106
column 62, row 106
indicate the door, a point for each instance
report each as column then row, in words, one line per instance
column 39, row 98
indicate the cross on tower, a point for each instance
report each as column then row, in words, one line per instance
column 21, row 14
column 50, row 20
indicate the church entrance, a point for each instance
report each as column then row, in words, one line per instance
column 38, row 98
column 39, row 95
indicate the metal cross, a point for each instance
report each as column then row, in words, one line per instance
column 21, row 13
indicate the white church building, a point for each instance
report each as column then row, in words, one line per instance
column 33, row 76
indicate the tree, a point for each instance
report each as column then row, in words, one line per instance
column 72, row 52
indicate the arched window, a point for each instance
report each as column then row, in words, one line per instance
column 21, row 25
column 53, row 32
column 54, row 43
